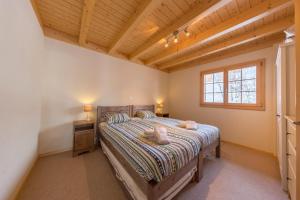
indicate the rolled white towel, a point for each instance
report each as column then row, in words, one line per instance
column 191, row 125
column 182, row 124
column 160, row 129
column 163, row 139
column 162, row 136
column 159, row 135
column 149, row 134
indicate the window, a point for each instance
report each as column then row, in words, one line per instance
column 214, row 87
column 240, row 86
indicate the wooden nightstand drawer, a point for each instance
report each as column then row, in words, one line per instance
column 84, row 134
column 82, row 128
column 83, row 139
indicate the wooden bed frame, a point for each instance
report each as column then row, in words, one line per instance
column 152, row 189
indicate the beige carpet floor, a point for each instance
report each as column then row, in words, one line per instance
column 241, row 174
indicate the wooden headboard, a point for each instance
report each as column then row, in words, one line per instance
column 130, row 110
column 136, row 108
column 103, row 110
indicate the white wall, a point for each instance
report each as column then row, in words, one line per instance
column 21, row 54
column 73, row 76
column 254, row 129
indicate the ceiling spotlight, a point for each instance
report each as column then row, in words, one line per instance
column 166, row 42
column 186, row 32
column 176, row 39
column 176, row 36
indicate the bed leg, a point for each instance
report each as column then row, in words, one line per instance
column 218, row 150
column 199, row 173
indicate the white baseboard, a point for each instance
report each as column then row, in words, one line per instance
column 55, row 152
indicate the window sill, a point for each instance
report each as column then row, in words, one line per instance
column 238, row 106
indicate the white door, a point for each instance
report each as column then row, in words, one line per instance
column 280, row 113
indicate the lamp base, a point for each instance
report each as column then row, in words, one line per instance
column 88, row 117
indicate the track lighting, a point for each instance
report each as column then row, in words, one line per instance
column 175, row 36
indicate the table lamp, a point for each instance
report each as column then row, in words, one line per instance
column 87, row 108
column 160, row 107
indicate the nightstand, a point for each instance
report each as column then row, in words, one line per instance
column 83, row 136
column 162, row 114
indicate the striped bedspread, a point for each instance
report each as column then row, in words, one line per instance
column 150, row 160
column 209, row 134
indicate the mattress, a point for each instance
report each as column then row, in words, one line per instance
column 208, row 133
column 150, row 160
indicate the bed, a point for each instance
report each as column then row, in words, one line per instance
column 127, row 154
column 210, row 135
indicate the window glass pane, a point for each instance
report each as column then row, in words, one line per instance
column 249, row 85
column 208, row 78
column 249, row 97
column 214, row 87
column 209, row 97
column 234, row 75
column 218, row 97
column 234, row 97
column 209, row 88
column 249, row 72
column 218, row 77
column 218, row 87
column 234, row 86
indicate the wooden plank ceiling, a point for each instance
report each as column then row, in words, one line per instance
column 144, row 31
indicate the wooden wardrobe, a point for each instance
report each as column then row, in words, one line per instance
column 286, row 114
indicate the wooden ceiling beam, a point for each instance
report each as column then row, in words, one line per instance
column 199, row 12
column 266, row 30
column 247, row 17
column 86, row 20
column 142, row 11
column 235, row 51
